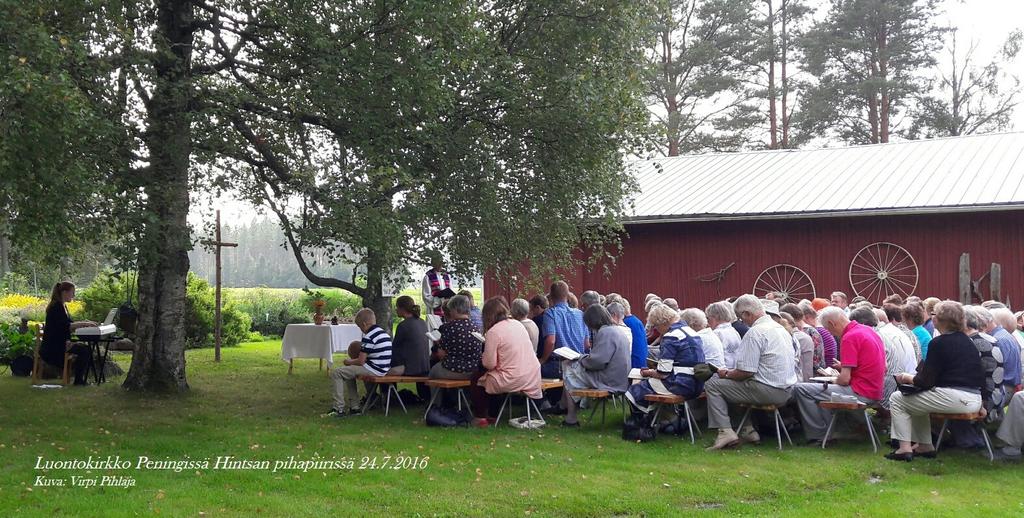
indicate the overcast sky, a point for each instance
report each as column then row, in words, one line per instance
column 986, row 22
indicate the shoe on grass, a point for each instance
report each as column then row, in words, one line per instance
column 726, row 439
column 748, row 434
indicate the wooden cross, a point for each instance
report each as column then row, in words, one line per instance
column 217, row 320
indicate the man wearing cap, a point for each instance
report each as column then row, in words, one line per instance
column 862, row 364
column 764, row 373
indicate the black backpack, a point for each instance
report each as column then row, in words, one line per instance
column 446, row 417
column 639, row 428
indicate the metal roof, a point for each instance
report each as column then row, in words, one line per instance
column 970, row 173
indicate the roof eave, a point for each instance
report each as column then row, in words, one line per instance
column 901, row 211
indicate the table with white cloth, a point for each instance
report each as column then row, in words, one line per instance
column 317, row 341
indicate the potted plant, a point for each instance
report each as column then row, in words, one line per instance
column 318, row 302
column 16, row 350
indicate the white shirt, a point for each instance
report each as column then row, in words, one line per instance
column 730, row 339
column 767, row 351
column 899, row 352
column 714, row 351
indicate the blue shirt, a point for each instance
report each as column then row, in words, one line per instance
column 638, row 354
column 1011, row 355
column 477, row 319
column 923, row 337
column 929, row 326
column 567, row 325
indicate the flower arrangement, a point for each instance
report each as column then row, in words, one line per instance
column 318, row 302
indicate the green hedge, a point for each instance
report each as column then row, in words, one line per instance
column 109, row 290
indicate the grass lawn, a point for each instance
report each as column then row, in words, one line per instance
column 247, row 407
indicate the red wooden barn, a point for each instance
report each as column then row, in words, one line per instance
column 866, row 220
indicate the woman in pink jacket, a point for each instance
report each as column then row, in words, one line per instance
column 509, row 359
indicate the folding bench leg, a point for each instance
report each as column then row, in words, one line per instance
column 502, row 410
column 693, row 420
column 657, row 410
column 387, row 402
column 988, row 443
column 394, row 388
column 462, row 397
column 690, row 421
column 778, row 433
column 433, row 397
column 371, row 399
column 783, row 424
column 942, row 433
column 828, row 431
column 871, row 431
column 744, row 420
column 536, row 409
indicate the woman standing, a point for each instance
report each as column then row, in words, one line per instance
column 951, row 378
column 57, row 333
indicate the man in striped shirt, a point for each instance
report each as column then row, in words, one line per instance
column 763, row 374
column 374, row 359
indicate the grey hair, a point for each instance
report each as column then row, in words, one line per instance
column 694, row 318
column 864, row 316
column 662, row 315
column 651, row 304
column 720, row 311
column 459, row 304
column 748, row 303
column 831, row 313
column 881, row 316
column 670, row 302
column 1004, row 317
column 977, row 317
column 520, row 308
column 589, row 298
column 616, row 310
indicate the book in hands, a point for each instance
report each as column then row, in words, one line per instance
column 434, row 335
column 634, row 374
column 446, row 293
column 828, row 371
column 478, row 336
column 567, row 353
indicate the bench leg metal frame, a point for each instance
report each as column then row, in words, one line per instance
column 780, row 426
column 393, row 388
column 984, row 434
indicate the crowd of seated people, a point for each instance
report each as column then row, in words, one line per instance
column 908, row 359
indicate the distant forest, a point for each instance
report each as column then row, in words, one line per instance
column 260, row 259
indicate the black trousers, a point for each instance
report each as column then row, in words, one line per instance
column 83, row 361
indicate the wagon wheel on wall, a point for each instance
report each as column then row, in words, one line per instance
column 787, row 279
column 882, row 269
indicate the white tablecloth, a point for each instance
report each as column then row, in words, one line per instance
column 313, row 341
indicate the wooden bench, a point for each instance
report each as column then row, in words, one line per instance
column 780, row 425
column 673, row 401
column 600, row 397
column 548, row 384
column 970, row 417
column 837, row 407
column 447, row 384
column 391, row 386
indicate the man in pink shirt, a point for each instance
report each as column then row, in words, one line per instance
column 861, row 364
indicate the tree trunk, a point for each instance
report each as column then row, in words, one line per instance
column 873, row 117
column 883, row 73
column 373, row 297
column 671, row 103
column 785, row 79
column 772, row 108
column 5, row 248
column 158, row 364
